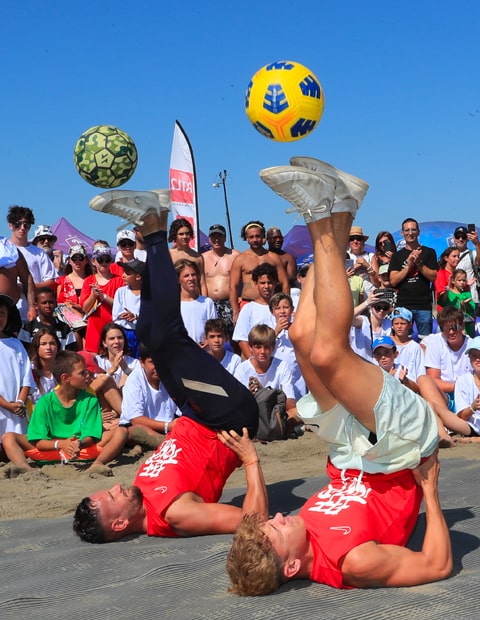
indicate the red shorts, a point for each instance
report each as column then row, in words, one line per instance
column 54, row 456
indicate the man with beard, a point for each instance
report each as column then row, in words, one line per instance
column 176, row 490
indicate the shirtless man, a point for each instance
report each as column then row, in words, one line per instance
column 241, row 275
column 275, row 243
column 180, row 234
column 14, row 268
column 218, row 265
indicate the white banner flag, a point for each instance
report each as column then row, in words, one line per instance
column 183, row 186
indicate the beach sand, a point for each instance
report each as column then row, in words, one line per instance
column 55, row 490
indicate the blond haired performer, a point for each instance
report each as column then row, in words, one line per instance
column 383, row 438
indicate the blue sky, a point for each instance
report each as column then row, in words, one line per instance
column 402, row 101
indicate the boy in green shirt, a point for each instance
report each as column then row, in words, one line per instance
column 66, row 424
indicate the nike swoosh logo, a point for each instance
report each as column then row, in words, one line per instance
column 343, row 528
column 161, row 489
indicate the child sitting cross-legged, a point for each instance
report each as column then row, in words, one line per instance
column 263, row 370
column 66, row 424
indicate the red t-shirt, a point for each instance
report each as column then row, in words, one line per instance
column 103, row 314
column 191, row 459
column 353, row 509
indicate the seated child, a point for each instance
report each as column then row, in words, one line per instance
column 45, row 304
column 216, row 336
column 66, row 424
column 148, row 412
column 16, row 378
column 467, row 390
column 43, row 349
column 264, row 370
column 410, row 353
column 126, row 303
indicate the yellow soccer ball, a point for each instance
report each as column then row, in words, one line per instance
column 284, row 101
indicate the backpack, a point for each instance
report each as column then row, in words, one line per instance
column 272, row 413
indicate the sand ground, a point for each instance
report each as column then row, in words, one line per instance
column 55, row 490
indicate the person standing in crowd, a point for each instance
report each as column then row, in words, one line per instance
column 275, row 245
column 447, row 263
column 218, row 266
column 181, row 234
column 241, row 283
column 413, row 269
column 45, row 239
column 362, row 260
column 469, row 259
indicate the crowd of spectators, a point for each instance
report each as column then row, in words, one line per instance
column 69, row 349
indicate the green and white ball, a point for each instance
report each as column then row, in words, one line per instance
column 105, row 156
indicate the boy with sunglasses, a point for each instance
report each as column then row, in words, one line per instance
column 126, row 250
column 20, row 220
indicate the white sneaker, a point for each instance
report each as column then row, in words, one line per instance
column 348, row 188
column 130, row 205
column 309, row 193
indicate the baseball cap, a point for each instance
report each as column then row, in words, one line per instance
column 77, row 249
column 129, row 235
column 460, row 230
column 138, row 266
column 383, row 269
column 474, row 344
column 217, row 228
column 101, row 250
column 402, row 313
column 43, row 230
column 383, row 341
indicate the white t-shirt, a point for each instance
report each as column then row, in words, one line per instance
column 252, row 314
column 106, row 364
column 41, row 268
column 385, row 329
column 16, row 373
column 410, row 355
column 278, row 376
column 361, row 339
column 465, row 263
column 47, row 385
column 285, row 351
column 452, row 364
column 141, row 399
column 195, row 313
column 125, row 299
column 231, row 361
column 465, row 393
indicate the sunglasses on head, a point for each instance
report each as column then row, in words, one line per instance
column 104, row 260
column 77, row 258
column 126, row 244
column 356, row 238
column 22, row 223
column 380, row 307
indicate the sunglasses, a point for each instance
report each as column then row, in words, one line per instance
column 104, row 261
column 381, row 307
column 126, row 244
column 77, row 258
column 451, row 328
column 461, row 237
column 357, row 238
column 43, row 239
column 21, row 224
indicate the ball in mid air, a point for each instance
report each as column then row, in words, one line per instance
column 284, row 101
column 105, row 156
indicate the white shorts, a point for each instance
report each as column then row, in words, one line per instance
column 406, row 429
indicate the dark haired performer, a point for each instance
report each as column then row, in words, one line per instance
column 383, row 438
column 176, row 490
